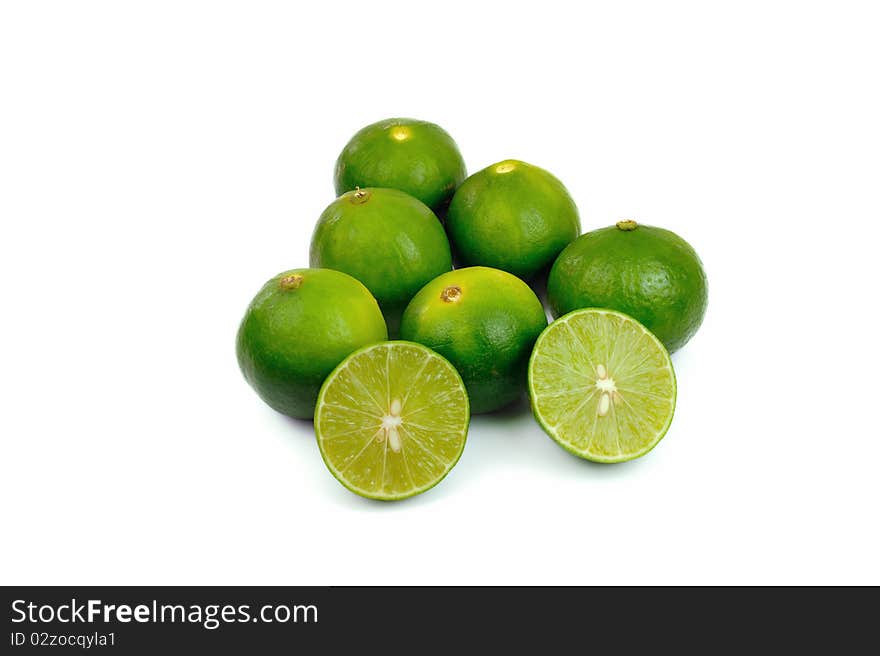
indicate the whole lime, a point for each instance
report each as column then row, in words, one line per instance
column 649, row 273
column 512, row 216
column 385, row 238
column 484, row 321
column 414, row 156
column 300, row 325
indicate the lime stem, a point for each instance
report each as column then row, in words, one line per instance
column 451, row 294
column 293, row 281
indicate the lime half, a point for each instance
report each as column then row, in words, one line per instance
column 602, row 385
column 392, row 420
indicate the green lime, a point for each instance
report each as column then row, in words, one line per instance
column 385, row 238
column 649, row 273
column 512, row 216
column 417, row 157
column 485, row 322
column 392, row 420
column 602, row 385
column 300, row 325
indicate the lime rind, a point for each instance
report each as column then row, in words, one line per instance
column 375, row 385
column 566, row 391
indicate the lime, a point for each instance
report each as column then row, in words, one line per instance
column 602, row 385
column 392, row 420
column 385, row 238
column 512, row 216
column 649, row 273
column 299, row 326
column 417, row 157
column 485, row 322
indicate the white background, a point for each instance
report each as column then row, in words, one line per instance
column 160, row 160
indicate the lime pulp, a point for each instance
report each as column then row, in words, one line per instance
column 602, row 385
column 391, row 420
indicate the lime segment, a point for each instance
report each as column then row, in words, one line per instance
column 602, row 385
column 392, row 420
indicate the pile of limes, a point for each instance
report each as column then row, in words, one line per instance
column 391, row 417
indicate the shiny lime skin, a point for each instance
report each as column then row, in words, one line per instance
column 390, row 241
column 649, row 273
column 485, row 322
column 414, row 156
column 300, row 325
column 512, row 216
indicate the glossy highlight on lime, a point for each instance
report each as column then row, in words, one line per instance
column 391, row 420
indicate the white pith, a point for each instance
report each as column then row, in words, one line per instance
column 605, row 384
column 390, row 422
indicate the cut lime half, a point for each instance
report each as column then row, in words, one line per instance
column 392, row 420
column 602, row 385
